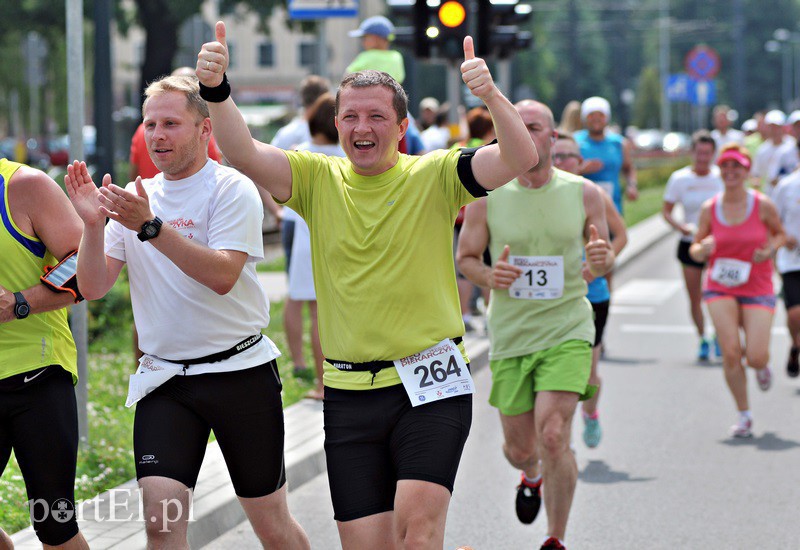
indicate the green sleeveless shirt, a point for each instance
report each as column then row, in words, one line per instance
column 535, row 223
column 41, row 339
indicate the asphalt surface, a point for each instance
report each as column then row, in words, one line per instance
column 666, row 474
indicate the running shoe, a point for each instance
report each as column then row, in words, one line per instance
column 529, row 500
column 705, row 350
column 793, row 365
column 764, row 377
column 553, row 544
column 591, row 431
column 717, row 350
column 742, row 428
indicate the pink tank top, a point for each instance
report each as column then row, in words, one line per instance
column 739, row 242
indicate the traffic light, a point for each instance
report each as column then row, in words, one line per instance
column 498, row 27
column 415, row 15
column 452, row 23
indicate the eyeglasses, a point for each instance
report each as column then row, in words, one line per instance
column 561, row 157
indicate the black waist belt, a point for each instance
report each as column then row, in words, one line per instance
column 247, row 343
column 370, row 366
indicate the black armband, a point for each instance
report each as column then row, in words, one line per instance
column 465, row 174
column 217, row 94
column 63, row 276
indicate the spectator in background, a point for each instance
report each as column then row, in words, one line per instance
column 722, row 133
column 289, row 137
column 376, row 35
column 570, row 118
column 437, row 136
column 766, row 164
column 428, row 109
column 788, row 157
column 755, row 137
column 325, row 140
column 296, row 132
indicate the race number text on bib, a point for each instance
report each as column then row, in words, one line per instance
column 730, row 272
column 542, row 277
column 437, row 373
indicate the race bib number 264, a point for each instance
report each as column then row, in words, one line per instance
column 436, row 373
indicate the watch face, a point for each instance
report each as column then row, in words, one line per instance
column 23, row 310
column 151, row 230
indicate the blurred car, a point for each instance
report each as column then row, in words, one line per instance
column 58, row 147
column 649, row 140
column 677, row 142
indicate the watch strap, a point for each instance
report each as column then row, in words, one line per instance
column 143, row 234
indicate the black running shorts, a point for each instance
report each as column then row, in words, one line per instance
column 600, row 318
column 39, row 420
column 373, row 438
column 243, row 408
column 791, row 288
column 685, row 258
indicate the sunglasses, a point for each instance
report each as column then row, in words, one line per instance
column 561, row 157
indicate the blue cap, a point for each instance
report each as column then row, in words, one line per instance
column 377, row 25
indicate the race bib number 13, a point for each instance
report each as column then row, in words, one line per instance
column 437, row 373
column 542, row 277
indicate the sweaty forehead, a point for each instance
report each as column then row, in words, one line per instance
column 367, row 98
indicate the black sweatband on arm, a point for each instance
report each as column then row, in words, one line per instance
column 465, row 174
column 217, row 94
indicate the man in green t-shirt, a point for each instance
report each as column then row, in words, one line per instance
column 376, row 35
column 540, row 322
column 390, row 325
column 38, row 360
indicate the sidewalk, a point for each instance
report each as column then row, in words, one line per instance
column 216, row 509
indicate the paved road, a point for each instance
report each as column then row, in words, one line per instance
column 666, row 474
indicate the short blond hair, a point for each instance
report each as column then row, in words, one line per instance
column 187, row 85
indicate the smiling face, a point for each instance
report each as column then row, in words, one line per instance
column 596, row 122
column 702, row 157
column 733, row 174
column 369, row 131
column 176, row 137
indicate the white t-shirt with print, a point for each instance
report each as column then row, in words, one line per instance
column 691, row 191
column 178, row 318
column 787, row 201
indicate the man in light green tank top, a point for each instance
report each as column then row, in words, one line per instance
column 38, row 411
column 540, row 323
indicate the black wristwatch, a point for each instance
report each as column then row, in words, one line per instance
column 150, row 229
column 22, row 308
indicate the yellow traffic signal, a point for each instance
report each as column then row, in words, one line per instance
column 452, row 14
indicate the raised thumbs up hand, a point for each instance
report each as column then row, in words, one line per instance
column 503, row 274
column 212, row 61
column 475, row 73
column 597, row 253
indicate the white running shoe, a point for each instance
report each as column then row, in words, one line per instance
column 742, row 428
column 764, row 377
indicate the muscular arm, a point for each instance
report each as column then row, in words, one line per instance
column 266, row 165
column 472, row 241
column 514, row 152
column 40, row 208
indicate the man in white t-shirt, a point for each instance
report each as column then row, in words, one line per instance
column 199, row 310
column 722, row 133
column 788, row 158
column 787, row 199
column 691, row 186
column 766, row 164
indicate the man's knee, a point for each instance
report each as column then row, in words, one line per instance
column 165, row 517
column 554, row 438
column 520, row 456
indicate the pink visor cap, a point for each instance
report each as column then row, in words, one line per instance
column 734, row 154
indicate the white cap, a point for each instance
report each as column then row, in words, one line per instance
column 593, row 105
column 775, row 117
column 794, row 116
column 750, row 125
column 429, row 103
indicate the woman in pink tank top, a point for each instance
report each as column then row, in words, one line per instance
column 738, row 233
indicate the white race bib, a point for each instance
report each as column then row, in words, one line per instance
column 542, row 277
column 730, row 272
column 152, row 373
column 608, row 187
column 437, row 373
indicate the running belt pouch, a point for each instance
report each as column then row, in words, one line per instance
column 62, row 277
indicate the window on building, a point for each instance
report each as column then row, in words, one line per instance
column 308, row 54
column 266, row 54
